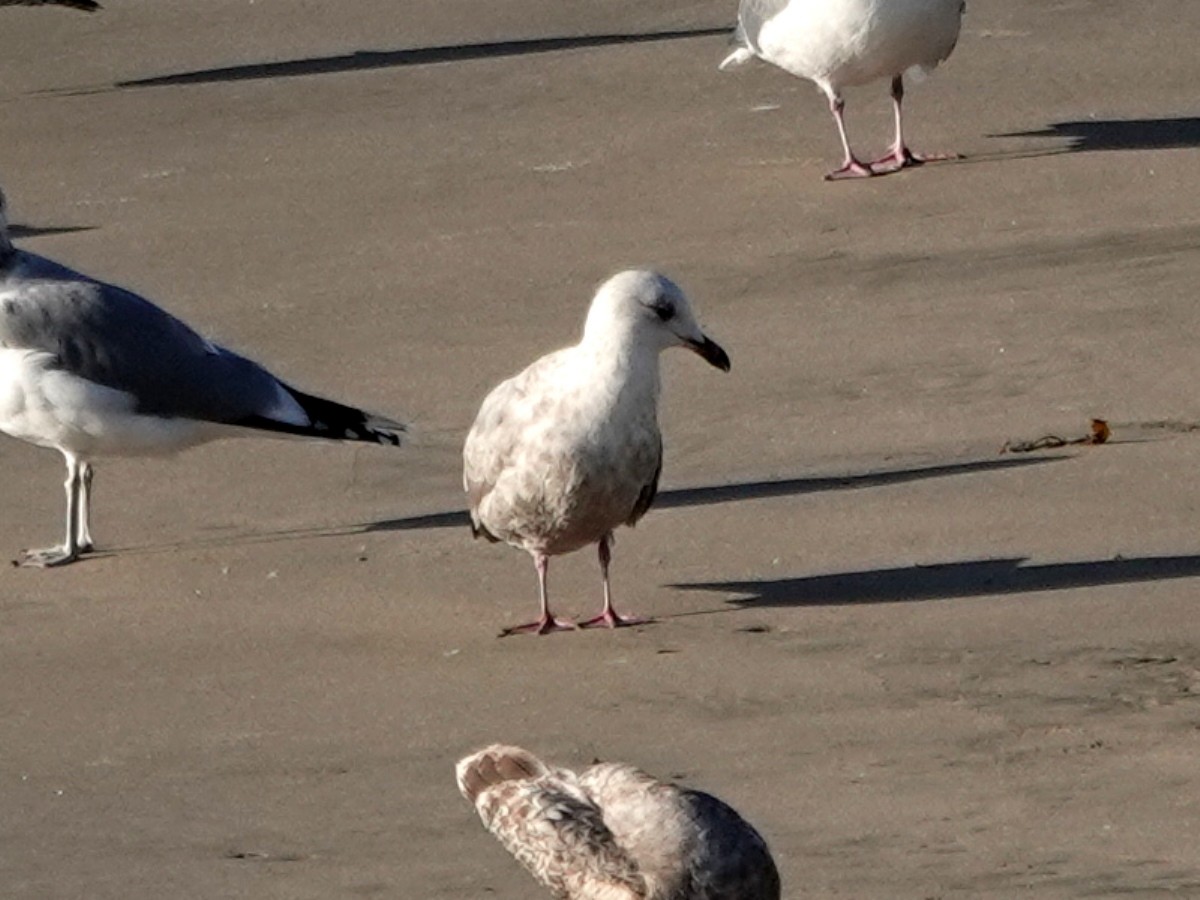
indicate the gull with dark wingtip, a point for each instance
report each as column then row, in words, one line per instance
column 94, row 370
column 569, row 449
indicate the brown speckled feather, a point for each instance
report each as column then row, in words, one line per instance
column 550, row 826
column 615, row 833
column 569, row 448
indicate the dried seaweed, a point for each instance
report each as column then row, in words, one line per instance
column 1100, row 434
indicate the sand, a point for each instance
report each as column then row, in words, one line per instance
column 923, row 669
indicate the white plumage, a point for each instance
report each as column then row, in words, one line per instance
column 612, row 832
column 567, row 450
column 843, row 43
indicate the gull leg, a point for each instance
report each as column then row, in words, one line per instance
column 69, row 550
column 609, row 616
column 900, row 157
column 85, row 510
column 851, row 167
column 547, row 623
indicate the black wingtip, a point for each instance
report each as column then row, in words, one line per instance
column 334, row 421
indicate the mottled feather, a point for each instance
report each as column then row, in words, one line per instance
column 614, row 832
column 569, row 448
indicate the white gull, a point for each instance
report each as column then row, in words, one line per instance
column 612, row 832
column 94, row 370
column 842, row 43
column 569, row 449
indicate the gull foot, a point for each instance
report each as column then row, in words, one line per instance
column 852, row 169
column 544, row 625
column 610, row 619
column 906, row 159
column 47, row 558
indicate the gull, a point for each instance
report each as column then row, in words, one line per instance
column 94, row 370
column 567, row 450
column 842, row 43
column 85, row 5
column 612, row 832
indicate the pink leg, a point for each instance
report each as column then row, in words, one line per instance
column 609, row 616
column 900, row 157
column 547, row 623
column 851, row 167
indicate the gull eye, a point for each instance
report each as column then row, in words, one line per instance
column 664, row 309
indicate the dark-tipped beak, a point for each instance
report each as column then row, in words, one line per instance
column 712, row 353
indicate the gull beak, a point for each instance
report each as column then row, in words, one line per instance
column 712, row 353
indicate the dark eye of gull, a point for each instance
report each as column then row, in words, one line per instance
column 664, row 309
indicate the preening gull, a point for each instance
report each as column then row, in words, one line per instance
column 612, row 832
column 842, row 43
column 569, row 449
column 85, row 5
column 94, row 370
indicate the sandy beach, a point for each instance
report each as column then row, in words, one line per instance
column 922, row 668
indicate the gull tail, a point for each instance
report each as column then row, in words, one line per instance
column 332, row 421
column 494, row 765
column 742, row 51
column 736, row 58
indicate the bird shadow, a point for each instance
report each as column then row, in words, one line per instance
column 1119, row 134
column 945, row 581
column 419, row 56
column 758, row 490
column 696, row 496
column 32, row 231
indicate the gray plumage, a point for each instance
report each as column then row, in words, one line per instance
column 92, row 369
column 612, row 832
column 112, row 337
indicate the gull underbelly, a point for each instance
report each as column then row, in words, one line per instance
column 47, row 406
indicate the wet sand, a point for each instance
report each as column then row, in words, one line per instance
column 923, row 669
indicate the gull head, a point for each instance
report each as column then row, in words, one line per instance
column 643, row 309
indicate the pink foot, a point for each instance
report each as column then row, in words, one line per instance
column 610, row 619
column 852, row 168
column 904, row 158
column 544, row 625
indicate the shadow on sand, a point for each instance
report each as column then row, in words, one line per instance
column 32, row 231
column 758, row 490
column 1120, row 134
column 949, row 580
column 420, row 56
column 698, row 496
